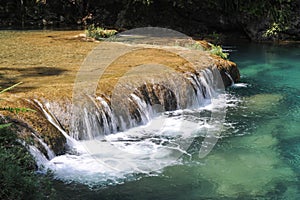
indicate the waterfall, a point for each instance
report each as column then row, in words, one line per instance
column 143, row 131
column 104, row 116
column 139, row 104
column 101, row 117
column 109, row 122
column 228, row 75
column 40, row 158
column 142, row 108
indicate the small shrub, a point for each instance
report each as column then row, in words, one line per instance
column 274, row 30
column 217, row 50
column 99, row 33
column 18, row 179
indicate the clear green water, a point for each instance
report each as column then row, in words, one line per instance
column 259, row 158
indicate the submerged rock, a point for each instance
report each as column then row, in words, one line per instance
column 254, row 162
column 263, row 102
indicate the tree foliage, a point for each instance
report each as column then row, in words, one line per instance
column 133, row 13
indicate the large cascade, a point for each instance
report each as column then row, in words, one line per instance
column 135, row 108
column 152, row 127
column 106, row 115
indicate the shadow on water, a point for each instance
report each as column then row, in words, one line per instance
column 10, row 76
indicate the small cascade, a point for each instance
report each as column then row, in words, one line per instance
column 233, row 84
column 109, row 121
column 105, row 115
column 199, row 89
column 50, row 153
column 101, row 116
column 135, row 108
column 142, row 108
column 40, row 158
column 53, row 120
column 228, row 75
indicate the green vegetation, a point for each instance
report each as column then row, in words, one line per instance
column 4, row 125
column 274, row 17
column 194, row 46
column 274, row 30
column 99, row 33
column 9, row 88
column 18, row 179
column 213, row 49
column 12, row 110
column 216, row 37
column 217, row 50
column 279, row 13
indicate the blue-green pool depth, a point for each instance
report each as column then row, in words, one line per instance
column 258, row 156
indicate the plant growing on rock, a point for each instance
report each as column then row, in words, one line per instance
column 10, row 109
column 217, row 50
column 99, row 33
column 18, row 178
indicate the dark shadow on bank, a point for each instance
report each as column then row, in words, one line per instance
column 16, row 75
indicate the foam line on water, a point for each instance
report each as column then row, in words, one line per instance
column 239, row 85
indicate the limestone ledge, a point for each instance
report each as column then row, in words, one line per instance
column 57, row 88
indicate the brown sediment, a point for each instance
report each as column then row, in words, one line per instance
column 47, row 63
column 141, row 57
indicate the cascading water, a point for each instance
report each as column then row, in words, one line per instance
column 233, row 84
column 139, row 104
column 154, row 132
column 50, row 153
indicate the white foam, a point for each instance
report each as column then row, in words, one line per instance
column 239, row 85
column 144, row 149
